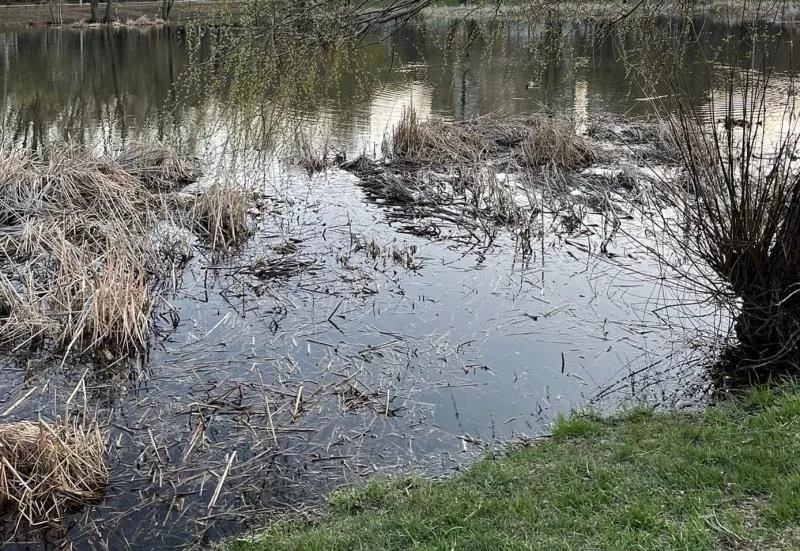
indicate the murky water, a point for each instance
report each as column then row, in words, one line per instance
column 353, row 363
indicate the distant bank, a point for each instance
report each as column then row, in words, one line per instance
column 19, row 16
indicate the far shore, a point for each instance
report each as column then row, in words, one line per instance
column 38, row 15
column 206, row 12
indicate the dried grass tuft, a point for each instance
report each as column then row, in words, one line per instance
column 408, row 138
column 435, row 142
column 81, row 246
column 158, row 167
column 536, row 140
column 553, row 141
column 24, row 321
column 220, row 216
column 67, row 181
column 47, row 469
column 145, row 21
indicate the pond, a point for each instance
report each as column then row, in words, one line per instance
column 375, row 350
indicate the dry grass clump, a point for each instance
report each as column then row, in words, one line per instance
column 408, row 137
column 77, row 296
column 553, row 141
column 312, row 162
column 105, row 299
column 24, row 321
column 158, row 167
column 75, row 219
column 220, row 215
column 651, row 139
column 68, row 180
column 83, row 245
column 47, row 469
column 435, row 142
column 317, row 159
column 497, row 199
column 536, row 140
column 79, row 253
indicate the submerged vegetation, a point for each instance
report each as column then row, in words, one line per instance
column 724, row 478
column 527, row 173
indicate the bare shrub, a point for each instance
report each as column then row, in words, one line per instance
column 737, row 221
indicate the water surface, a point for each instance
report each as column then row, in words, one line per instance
column 354, row 364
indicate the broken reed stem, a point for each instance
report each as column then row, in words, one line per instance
column 297, row 401
column 221, row 482
column 268, row 407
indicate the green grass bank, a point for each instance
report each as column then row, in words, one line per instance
column 724, row 478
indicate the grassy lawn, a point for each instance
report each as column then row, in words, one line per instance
column 726, row 478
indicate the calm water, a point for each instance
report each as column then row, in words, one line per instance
column 395, row 368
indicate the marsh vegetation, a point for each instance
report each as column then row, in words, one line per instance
column 86, row 242
column 299, row 249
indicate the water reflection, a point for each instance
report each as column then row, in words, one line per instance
column 106, row 87
column 95, row 85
